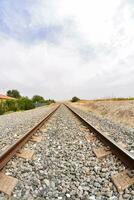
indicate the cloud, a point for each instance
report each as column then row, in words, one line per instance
column 63, row 48
column 19, row 21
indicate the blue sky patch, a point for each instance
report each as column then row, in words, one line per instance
column 16, row 22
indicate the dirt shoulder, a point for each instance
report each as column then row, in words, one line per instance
column 117, row 111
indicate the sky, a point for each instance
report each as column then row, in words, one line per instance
column 65, row 48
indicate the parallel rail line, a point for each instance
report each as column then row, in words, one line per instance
column 126, row 157
column 15, row 147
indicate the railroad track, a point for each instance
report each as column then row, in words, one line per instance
column 14, row 148
column 111, row 146
column 123, row 179
column 126, row 157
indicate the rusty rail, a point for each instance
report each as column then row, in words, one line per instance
column 125, row 156
column 14, row 148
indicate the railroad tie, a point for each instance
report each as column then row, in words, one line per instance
column 36, row 139
column 101, row 152
column 123, row 180
column 26, row 154
column 7, row 183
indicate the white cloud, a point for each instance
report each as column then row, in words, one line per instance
column 93, row 56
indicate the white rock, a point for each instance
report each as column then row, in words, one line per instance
column 68, row 195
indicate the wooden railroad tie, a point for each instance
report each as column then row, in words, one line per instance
column 123, row 180
column 36, row 139
column 90, row 138
column 102, row 152
column 7, row 183
column 44, row 129
column 27, row 154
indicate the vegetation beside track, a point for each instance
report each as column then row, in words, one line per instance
column 115, row 99
column 75, row 99
column 22, row 103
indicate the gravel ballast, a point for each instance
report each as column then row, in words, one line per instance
column 114, row 130
column 65, row 166
column 13, row 125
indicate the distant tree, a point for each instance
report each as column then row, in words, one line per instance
column 13, row 93
column 75, row 99
column 52, row 101
column 49, row 101
column 38, row 99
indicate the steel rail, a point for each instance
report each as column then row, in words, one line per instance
column 16, row 146
column 125, row 156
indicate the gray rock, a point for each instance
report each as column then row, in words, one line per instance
column 92, row 197
column 65, row 166
column 46, row 181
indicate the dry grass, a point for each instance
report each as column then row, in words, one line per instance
column 118, row 111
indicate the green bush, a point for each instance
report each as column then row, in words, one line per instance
column 11, row 105
column 75, row 99
column 38, row 99
column 2, row 109
column 52, row 100
column 25, row 103
column 49, row 101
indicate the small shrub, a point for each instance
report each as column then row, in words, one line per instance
column 25, row 103
column 38, row 99
column 2, row 110
column 49, row 101
column 75, row 99
column 11, row 105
